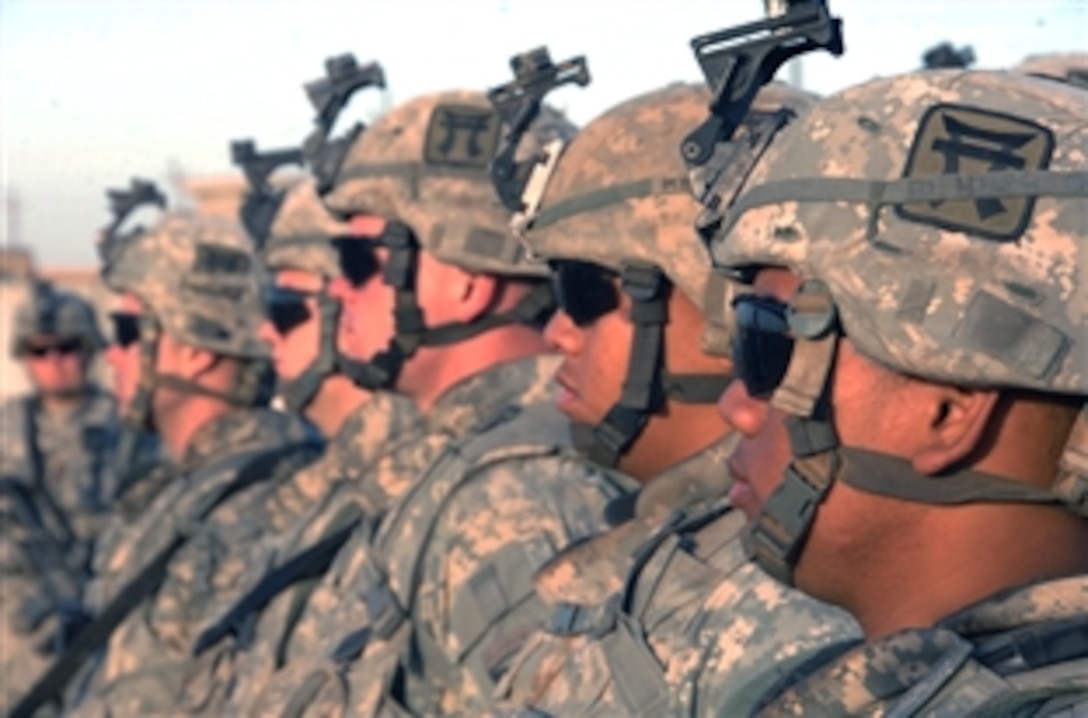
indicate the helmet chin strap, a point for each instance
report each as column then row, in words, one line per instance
column 245, row 391
column 646, row 384
column 411, row 331
column 299, row 392
column 776, row 539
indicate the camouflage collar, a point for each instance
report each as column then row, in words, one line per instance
column 934, row 667
column 481, row 396
column 1048, row 600
column 696, row 480
column 241, row 429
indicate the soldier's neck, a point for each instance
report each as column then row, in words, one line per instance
column 180, row 427
column 964, row 555
column 334, row 402
column 440, row 368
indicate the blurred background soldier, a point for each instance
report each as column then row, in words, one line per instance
column 189, row 362
column 912, row 372
column 58, row 480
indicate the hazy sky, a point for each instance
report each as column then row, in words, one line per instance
column 95, row 92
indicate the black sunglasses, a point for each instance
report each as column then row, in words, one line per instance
column 358, row 259
column 126, row 328
column 762, row 345
column 585, row 291
column 63, row 347
column 286, row 308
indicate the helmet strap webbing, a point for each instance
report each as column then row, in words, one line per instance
column 646, row 384
column 297, row 393
column 776, row 538
column 411, row 331
column 1071, row 486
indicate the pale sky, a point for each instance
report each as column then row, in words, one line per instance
column 93, row 93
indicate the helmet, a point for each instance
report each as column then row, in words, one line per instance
column 300, row 234
column 53, row 312
column 940, row 221
column 620, row 197
column 425, row 163
column 1071, row 67
column 199, row 278
column 424, row 167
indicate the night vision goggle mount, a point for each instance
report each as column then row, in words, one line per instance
column 329, row 95
column 262, row 202
column 740, row 60
column 123, row 202
column 737, row 63
column 518, row 103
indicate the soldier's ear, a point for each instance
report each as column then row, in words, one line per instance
column 480, row 294
column 196, row 362
column 959, row 423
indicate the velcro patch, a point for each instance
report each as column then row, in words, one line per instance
column 461, row 136
column 214, row 259
column 962, row 140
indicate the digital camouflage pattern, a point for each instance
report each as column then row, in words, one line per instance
column 229, row 464
column 664, row 614
column 199, row 278
column 1071, row 67
column 621, row 194
column 933, row 302
column 300, row 234
column 959, row 667
column 425, row 161
column 353, row 474
column 516, row 506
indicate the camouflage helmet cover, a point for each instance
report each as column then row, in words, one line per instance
column 200, row 279
column 1069, row 67
column 426, row 164
column 864, row 193
column 300, row 234
column 52, row 312
column 629, row 157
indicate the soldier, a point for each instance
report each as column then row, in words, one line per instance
column 191, row 364
column 441, row 303
column 58, row 480
column 911, row 368
column 656, row 614
column 309, row 508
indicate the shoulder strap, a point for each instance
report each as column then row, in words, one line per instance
column 514, row 432
column 251, row 467
column 309, row 563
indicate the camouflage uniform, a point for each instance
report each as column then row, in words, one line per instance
column 972, row 277
column 663, row 613
column 447, row 572
column 367, row 465
column 64, row 464
column 470, row 601
column 198, row 281
column 342, row 487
